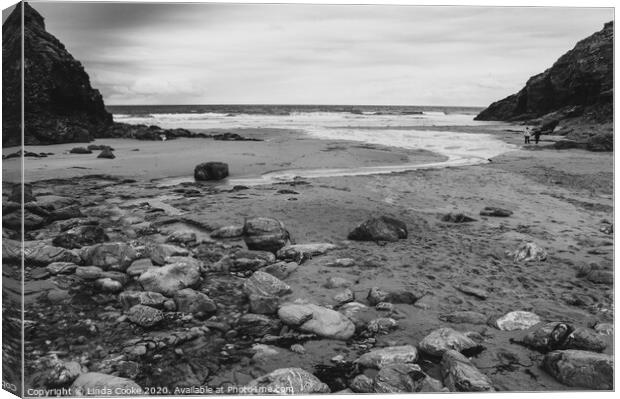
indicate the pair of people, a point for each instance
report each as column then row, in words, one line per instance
column 527, row 134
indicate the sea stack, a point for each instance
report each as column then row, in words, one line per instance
column 574, row 97
column 60, row 104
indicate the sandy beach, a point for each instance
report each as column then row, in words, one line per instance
column 559, row 200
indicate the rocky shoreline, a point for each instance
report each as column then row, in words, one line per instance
column 203, row 285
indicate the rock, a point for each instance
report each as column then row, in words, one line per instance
column 80, row 150
column 63, row 373
column 457, row 218
column 585, row 339
column 548, row 336
column 169, row 279
column 604, row 328
column 81, row 236
column 293, row 381
column 98, row 382
column 108, row 285
column 469, row 317
column 211, row 171
column 190, row 301
column 300, row 251
column 245, row 260
column 16, row 193
column 37, row 253
column 295, row 314
column 262, row 351
column 529, row 252
column 601, row 277
column 356, row 312
column 337, row 282
column 147, row 298
column 517, row 320
column 139, row 266
column 473, row 291
column 61, row 268
column 15, row 219
column 385, row 306
column 328, row 324
column 443, row 339
column 258, row 325
column 264, row 284
column 344, row 297
column 60, row 105
column 566, row 144
column 109, row 256
column 408, row 295
column 298, row 348
column 265, row 234
column 227, row 232
column 402, row 377
column 145, row 316
column 263, row 304
column 342, row 262
column 381, row 325
column 384, row 228
column 280, row 270
column 460, row 375
column 495, row 212
column 159, row 252
column 182, row 236
column 89, row 272
column 582, row 369
column 378, row 358
column 106, row 154
column 362, row 384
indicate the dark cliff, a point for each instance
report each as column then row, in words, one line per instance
column 574, row 97
column 59, row 103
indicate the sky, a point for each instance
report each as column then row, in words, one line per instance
column 314, row 54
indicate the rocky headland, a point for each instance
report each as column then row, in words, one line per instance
column 573, row 98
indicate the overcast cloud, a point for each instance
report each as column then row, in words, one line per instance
column 314, row 54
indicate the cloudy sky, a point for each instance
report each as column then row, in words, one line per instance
column 314, row 54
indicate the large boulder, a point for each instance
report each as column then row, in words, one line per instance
column 265, row 234
column 112, row 256
column 170, row 279
column 443, row 339
column 291, row 381
column 39, row 253
column 582, row 369
column 460, row 375
column 383, row 228
column 211, row 171
column 399, row 377
column 106, row 154
column 261, row 283
column 99, row 382
column 145, row 316
column 378, row 358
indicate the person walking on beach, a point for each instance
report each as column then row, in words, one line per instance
column 536, row 136
column 526, row 135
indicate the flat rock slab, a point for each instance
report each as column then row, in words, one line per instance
column 113, row 256
column 323, row 322
column 304, row 250
column 264, row 284
column 94, row 382
column 169, row 279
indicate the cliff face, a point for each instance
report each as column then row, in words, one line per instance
column 59, row 103
column 573, row 97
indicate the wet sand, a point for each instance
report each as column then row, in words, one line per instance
column 559, row 199
column 147, row 160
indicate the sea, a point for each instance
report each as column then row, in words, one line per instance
column 410, row 127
